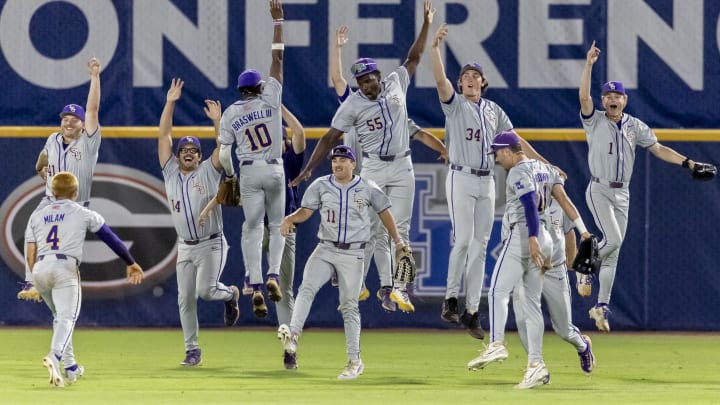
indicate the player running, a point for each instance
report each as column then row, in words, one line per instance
column 378, row 114
column 202, row 249
column 54, row 240
column 345, row 202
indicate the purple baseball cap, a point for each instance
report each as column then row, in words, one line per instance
column 504, row 140
column 249, row 78
column 471, row 66
column 614, row 87
column 363, row 66
column 187, row 140
column 73, row 109
column 343, row 151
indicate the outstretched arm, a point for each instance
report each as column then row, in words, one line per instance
column 558, row 193
column 93, row 101
column 444, row 87
column 669, row 155
column 298, row 132
column 586, row 103
column 432, row 142
column 335, row 68
column 213, row 110
column 417, row 48
column 288, row 223
column 278, row 47
column 325, row 144
column 533, row 154
column 387, row 219
column 166, row 120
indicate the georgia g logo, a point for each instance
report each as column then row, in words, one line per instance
column 133, row 204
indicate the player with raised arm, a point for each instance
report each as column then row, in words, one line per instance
column 612, row 136
column 378, row 114
column 254, row 124
column 343, row 91
column 471, row 123
column 345, row 202
column 74, row 148
column 202, row 249
column 54, row 240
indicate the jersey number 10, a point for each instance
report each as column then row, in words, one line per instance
column 259, row 137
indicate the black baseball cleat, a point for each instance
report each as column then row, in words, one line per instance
column 232, row 309
column 450, row 310
column 472, row 324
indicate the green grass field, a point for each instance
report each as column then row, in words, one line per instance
column 401, row 367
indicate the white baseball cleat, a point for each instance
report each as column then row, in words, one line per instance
column 53, row 366
column 288, row 340
column 599, row 313
column 536, row 374
column 495, row 351
column 352, row 370
column 73, row 373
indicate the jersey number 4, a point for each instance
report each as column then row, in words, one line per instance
column 52, row 238
column 259, row 137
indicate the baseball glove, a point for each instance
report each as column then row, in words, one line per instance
column 587, row 260
column 29, row 293
column 703, row 171
column 405, row 268
column 229, row 192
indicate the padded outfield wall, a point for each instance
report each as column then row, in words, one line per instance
column 667, row 278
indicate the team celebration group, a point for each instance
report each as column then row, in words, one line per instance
column 364, row 204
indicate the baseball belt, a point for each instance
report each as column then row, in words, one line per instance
column 345, row 246
column 196, row 241
column 611, row 184
column 470, row 170
column 386, row 158
column 261, row 162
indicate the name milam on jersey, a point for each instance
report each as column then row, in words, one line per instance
column 250, row 117
column 54, row 218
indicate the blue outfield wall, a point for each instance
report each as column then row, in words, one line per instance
column 667, row 278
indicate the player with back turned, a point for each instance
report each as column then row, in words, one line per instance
column 54, row 240
column 378, row 114
column 74, row 149
column 612, row 136
column 254, row 124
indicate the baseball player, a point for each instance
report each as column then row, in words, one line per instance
column 526, row 245
column 344, row 201
column 74, row 148
column 556, row 287
column 202, row 249
column 343, row 91
column 254, row 123
column 54, row 240
column 471, row 123
column 612, row 136
column 378, row 114
column 293, row 158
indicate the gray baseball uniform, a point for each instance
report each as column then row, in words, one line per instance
column 611, row 156
column 381, row 127
column 513, row 264
column 556, row 287
column 202, row 250
column 470, row 189
column 344, row 230
column 255, row 126
column 58, row 230
column 78, row 158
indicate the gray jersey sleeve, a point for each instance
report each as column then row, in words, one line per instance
column 644, row 137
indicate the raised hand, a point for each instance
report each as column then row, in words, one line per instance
column 593, row 54
column 341, row 37
column 94, row 66
column 276, row 11
column 175, row 90
column 213, row 109
column 429, row 12
column 440, row 35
